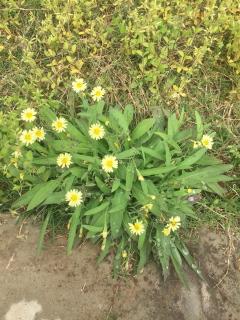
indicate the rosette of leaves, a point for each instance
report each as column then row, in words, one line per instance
column 156, row 165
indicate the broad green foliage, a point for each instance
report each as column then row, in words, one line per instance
column 132, row 189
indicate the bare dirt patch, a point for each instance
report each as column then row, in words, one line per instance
column 75, row 288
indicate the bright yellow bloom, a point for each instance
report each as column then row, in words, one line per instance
column 207, row 141
column 166, row 231
column 74, row 198
column 79, row 85
column 124, row 254
column 27, row 137
column 196, row 144
column 39, row 133
column 109, row 163
column 189, row 190
column 64, row 160
column 97, row 93
column 96, row 131
column 137, row 228
column 153, row 197
column 174, row 223
column 59, row 125
column 28, row 115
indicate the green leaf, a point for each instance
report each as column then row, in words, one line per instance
column 157, row 171
column 127, row 154
column 101, row 185
column 73, row 229
column 168, row 156
column 119, row 117
column 187, row 162
column 55, row 198
column 163, row 251
column 75, row 133
column 116, row 184
column 199, row 125
column 119, row 204
column 143, row 253
column 43, row 193
column 92, row 228
column 129, row 176
column 128, row 113
column 106, row 250
column 153, row 153
column 143, row 127
column 27, row 197
column 43, row 232
column 97, row 209
column 45, row 161
column 142, row 237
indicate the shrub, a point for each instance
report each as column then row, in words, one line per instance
column 129, row 186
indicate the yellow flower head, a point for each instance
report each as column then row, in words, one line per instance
column 137, row 228
column 174, row 223
column 140, row 178
column 97, row 93
column 64, row 160
column 189, row 190
column 196, row 144
column 59, row 125
column 207, row 141
column 27, row 137
column 39, row 133
column 74, row 198
column 152, row 196
column 96, row 131
column 124, row 254
column 166, row 231
column 28, row 115
column 109, row 163
column 79, row 85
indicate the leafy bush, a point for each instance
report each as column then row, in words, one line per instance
column 129, row 186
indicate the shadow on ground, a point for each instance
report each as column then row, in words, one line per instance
column 57, row 287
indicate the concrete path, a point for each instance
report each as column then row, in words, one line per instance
column 57, row 287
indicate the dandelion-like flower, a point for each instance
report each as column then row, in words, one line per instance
column 97, row 93
column 64, row 160
column 28, row 115
column 39, row 133
column 109, row 163
column 137, row 228
column 27, row 137
column 59, row 125
column 96, row 131
column 79, row 85
column 174, row 223
column 207, row 141
column 74, row 198
column 147, row 207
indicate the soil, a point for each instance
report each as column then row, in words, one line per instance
column 54, row 286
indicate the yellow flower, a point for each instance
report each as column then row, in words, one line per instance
column 97, row 93
column 140, row 178
column 153, row 197
column 79, row 85
column 189, row 190
column 207, row 141
column 59, row 124
column 147, row 207
column 27, row 137
column 166, row 231
column 109, row 163
column 39, row 133
column 174, row 223
column 124, row 254
column 64, row 160
column 196, row 144
column 136, row 228
column 96, row 131
column 28, row 115
column 74, row 198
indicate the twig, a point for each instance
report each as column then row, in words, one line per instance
column 10, row 261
